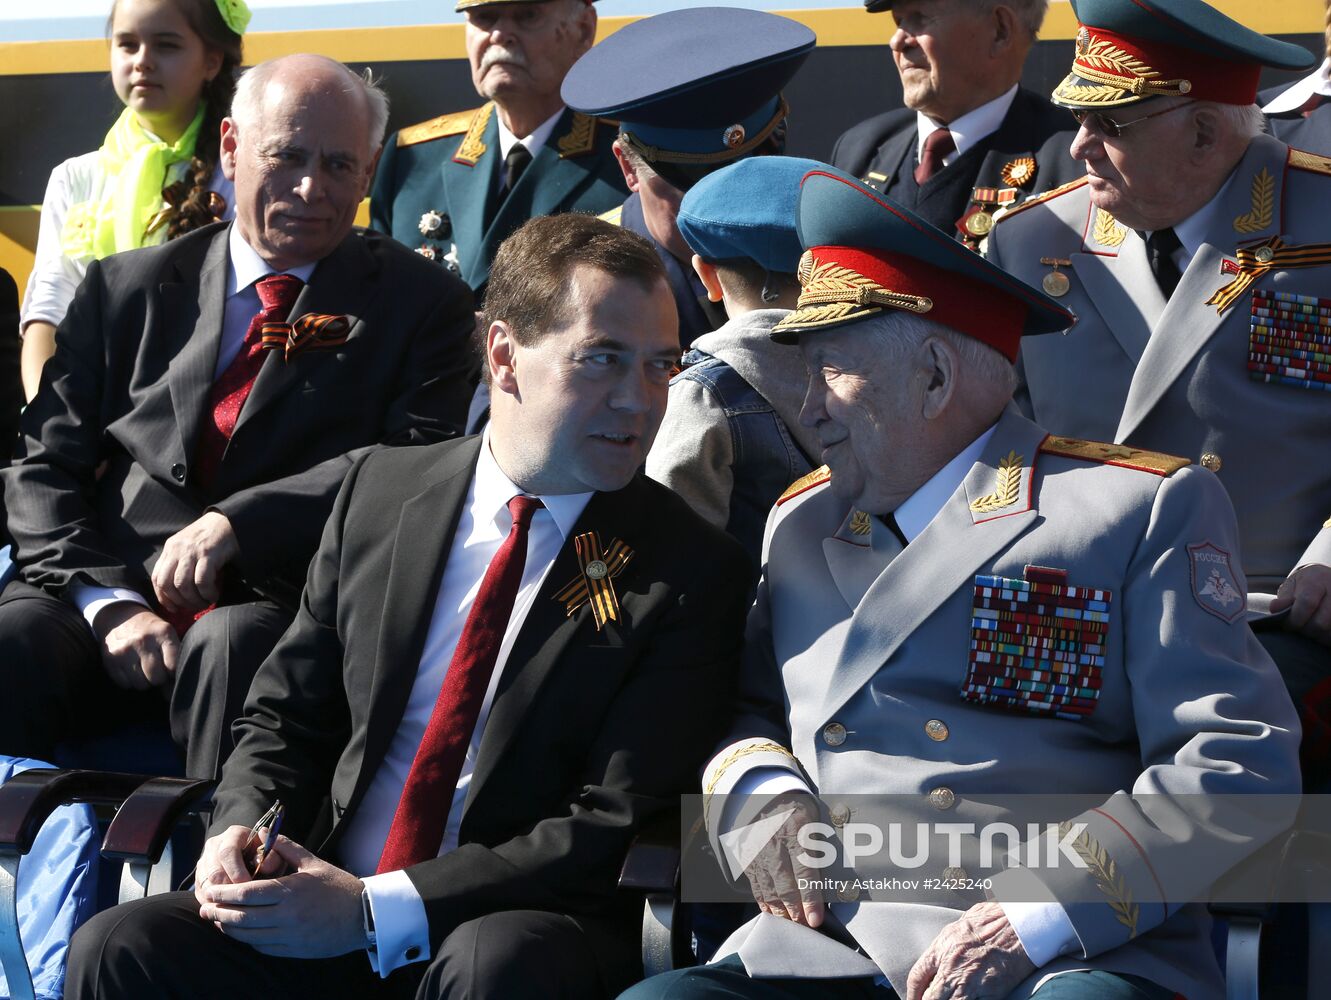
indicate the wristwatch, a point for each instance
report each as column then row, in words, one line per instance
column 367, row 916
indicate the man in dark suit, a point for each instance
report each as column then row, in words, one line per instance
column 965, row 145
column 469, row 765
column 187, row 444
column 452, row 188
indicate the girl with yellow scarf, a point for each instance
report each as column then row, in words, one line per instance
column 156, row 175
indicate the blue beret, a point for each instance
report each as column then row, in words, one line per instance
column 747, row 210
column 699, row 85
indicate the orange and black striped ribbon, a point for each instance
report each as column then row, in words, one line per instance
column 1281, row 258
column 595, row 587
column 310, row 331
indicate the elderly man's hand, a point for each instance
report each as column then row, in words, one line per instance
column 139, row 649
column 1307, row 594
column 977, row 957
column 313, row 912
column 774, row 875
column 227, row 859
column 186, row 575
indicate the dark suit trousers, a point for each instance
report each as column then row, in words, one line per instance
column 159, row 948
column 55, row 687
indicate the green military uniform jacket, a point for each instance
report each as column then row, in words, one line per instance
column 437, row 186
column 1175, row 376
column 863, row 675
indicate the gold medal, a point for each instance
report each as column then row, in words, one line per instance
column 1055, row 283
column 979, row 223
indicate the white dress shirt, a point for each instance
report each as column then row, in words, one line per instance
column 401, row 927
column 244, row 269
column 539, row 137
column 55, row 277
column 1044, row 928
column 971, row 128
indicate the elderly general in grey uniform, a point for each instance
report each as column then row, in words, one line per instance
column 873, row 668
column 1194, row 257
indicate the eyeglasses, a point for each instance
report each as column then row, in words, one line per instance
column 1112, row 129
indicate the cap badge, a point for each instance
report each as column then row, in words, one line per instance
column 597, row 568
column 733, row 137
column 1083, row 41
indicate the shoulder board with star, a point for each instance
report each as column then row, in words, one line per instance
column 436, row 128
column 1040, row 199
column 805, row 483
column 1301, row 159
column 1121, row 455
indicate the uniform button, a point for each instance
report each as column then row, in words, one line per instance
column 834, row 734
column 412, row 953
column 942, row 798
column 839, row 814
column 848, row 893
column 178, row 472
column 954, row 874
column 936, row 730
column 1210, row 460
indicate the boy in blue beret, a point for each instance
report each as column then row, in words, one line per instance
column 731, row 441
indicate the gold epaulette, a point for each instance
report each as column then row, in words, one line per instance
column 1122, row 455
column 612, row 216
column 1301, row 159
column 1040, row 199
column 436, row 128
column 805, row 483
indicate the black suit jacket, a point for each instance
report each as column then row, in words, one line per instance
column 11, row 388
column 881, row 152
column 1312, row 133
column 589, row 734
column 101, row 474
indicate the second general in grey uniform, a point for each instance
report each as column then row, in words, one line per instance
column 1193, row 254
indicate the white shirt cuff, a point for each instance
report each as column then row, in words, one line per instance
column 401, row 928
column 760, row 781
column 1044, row 929
column 90, row 600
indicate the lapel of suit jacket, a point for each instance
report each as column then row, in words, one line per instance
column 425, row 529
column 196, row 304
column 993, row 505
column 892, row 153
column 468, row 188
column 1120, row 284
column 340, row 286
column 858, row 553
column 547, row 630
column 1187, row 322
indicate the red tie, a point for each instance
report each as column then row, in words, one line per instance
column 422, row 812
column 937, row 144
column 277, row 294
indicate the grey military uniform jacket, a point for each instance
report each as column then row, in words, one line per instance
column 1175, row 376
column 854, row 658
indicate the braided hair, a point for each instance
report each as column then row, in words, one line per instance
column 191, row 201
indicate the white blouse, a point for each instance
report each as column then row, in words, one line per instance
column 54, row 276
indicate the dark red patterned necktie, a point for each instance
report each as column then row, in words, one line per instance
column 422, row 812
column 277, row 294
column 937, row 145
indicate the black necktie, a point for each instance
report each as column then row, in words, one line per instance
column 1160, row 248
column 891, row 521
column 517, row 160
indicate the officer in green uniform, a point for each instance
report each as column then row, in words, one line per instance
column 454, row 187
column 692, row 90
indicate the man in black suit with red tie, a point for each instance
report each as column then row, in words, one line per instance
column 191, row 432
column 966, row 143
column 511, row 651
